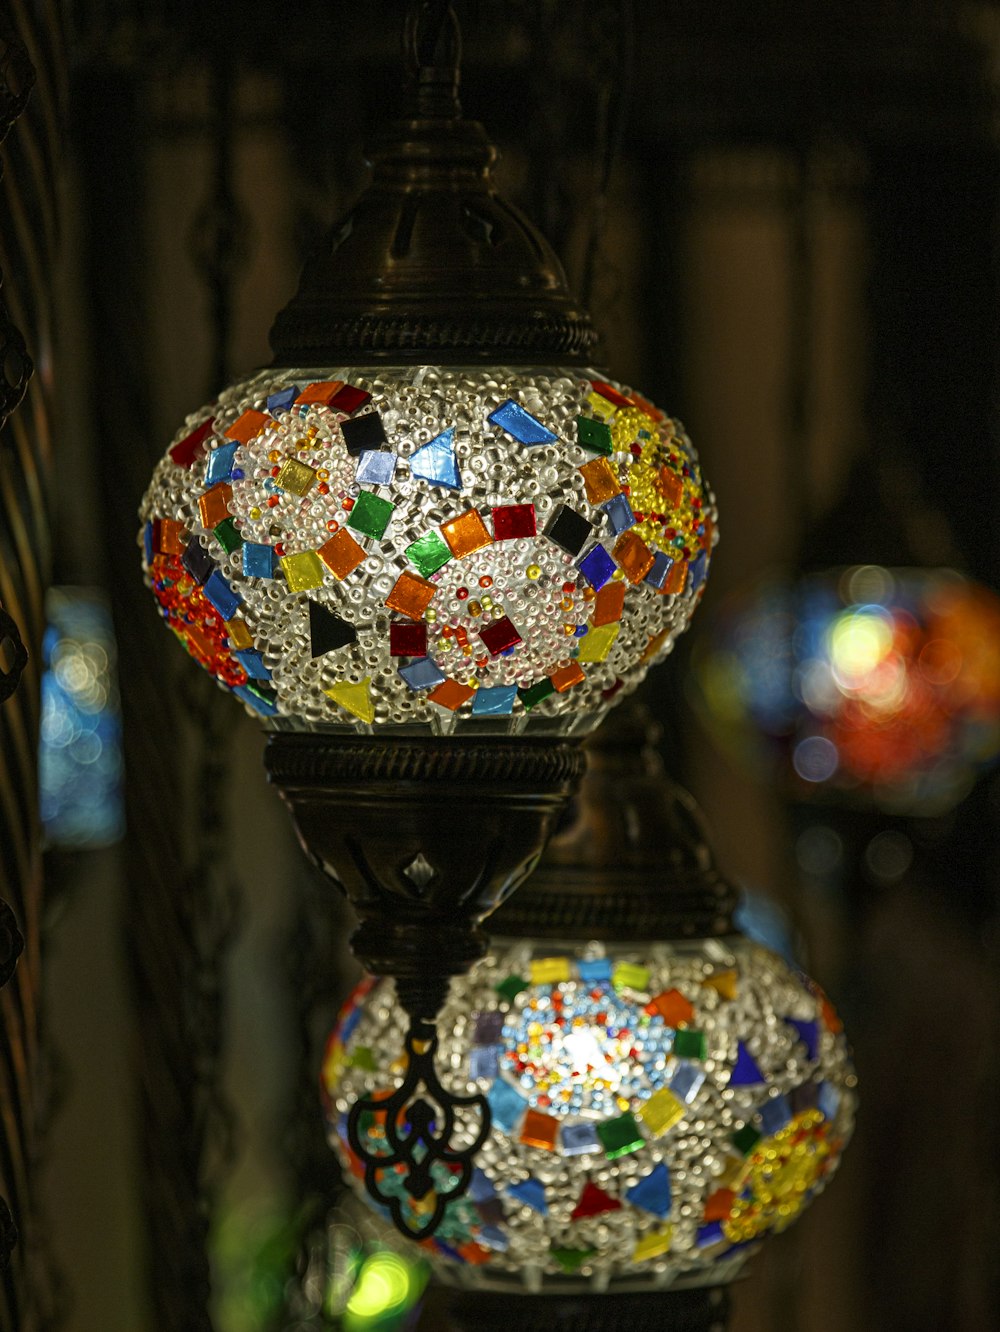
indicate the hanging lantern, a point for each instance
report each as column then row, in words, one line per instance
column 664, row 1092
column 867, row 685
column 427, row 545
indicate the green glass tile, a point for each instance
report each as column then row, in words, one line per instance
column 620, row 1136
column 362, row 1057
column 529, row 697
column 629, row 975
column 571, row 1260
column 746, row 1139
column 228, row 536
column 429, row 553
column 511, row 987
column 371, row 515
column 594, row 436
column 689, row 1044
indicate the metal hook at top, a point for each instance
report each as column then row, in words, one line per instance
column 432, row 50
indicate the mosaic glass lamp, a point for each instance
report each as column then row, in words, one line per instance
column 665, row 1093
column 429, row 546
column 865, row 686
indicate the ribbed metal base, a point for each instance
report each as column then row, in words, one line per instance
column 704, row 1310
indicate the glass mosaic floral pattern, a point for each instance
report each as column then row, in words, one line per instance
column 655, row 1111
column 443, row 549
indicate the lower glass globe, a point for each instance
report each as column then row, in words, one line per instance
column 657, row 1108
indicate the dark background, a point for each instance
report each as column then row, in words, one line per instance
column 785, row 218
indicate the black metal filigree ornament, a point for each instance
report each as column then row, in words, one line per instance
column 16, row 655
column 420, row 1122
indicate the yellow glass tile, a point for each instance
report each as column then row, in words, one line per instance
column 466, row 533
column 633, row 556
column 303, row 571
column 568, row 677
column 597, row 643
column 630, row 974
column 411, row 595
column 601, row 480
column 600, row 406
column 298, row 477
column 214, row 505
column 724, row 984
column 239, row 635
column 549, row 970
column 341, row 554
column 734, row 1169
column 247, row 426
column 355, row 698
column 661, row 1112
column 654, row 1244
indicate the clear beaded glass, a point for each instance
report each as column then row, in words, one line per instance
column 657, row 1109
column 487, row 539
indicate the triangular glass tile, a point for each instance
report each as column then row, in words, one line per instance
column 808, row 1035
column 327, row 631
column 746, row 1072
column 652, row 1193
column 593, row 1201
column 356, row 698
column 435, row 462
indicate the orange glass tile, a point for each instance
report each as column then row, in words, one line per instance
column 466, row 533
column 670, row 486
column 411, row 596
column 539, row 1130
column 723, row 983
column 633, row 555
column 568, row 677
column 321, row 392
column 474, row 1253
column 168, row 536
column 245, row 427
column 601, row 480
column 214, row 505
column 672, row 1007
column 341, row 554
column 608, row 604
column 239, row 635
column 719, row 1205
column 451, row 695
column 676, row 579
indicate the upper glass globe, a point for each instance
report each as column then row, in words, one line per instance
column 449, row 550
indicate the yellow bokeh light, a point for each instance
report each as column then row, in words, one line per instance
column 859, row 640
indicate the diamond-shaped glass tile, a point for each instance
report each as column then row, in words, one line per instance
column 597, row 567
column 661, row 1111
column 687, row 1081
column 597, row 643
column 532, row 1192
column 620, row 515
column 422, row 674
column 594, row 436
column 775, row 1115
column 220, row 463
column 429, row 553
column 221, row 595
column 363, row 432
column 652, row 1193
column 569, row 529
column 494, row 700
column 659, row 571
column 576, row 1139
column 499, row 635
column 376, row 467
column 620, row 1136
column 303, row 571
column 371, row 513
column 525, row 428
column 258, row 560
column 506, row 1105
column 511, row 521
column 485, row 1062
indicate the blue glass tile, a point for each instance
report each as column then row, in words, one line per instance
column 436, row 462
column 699, row 568
column 258, row 560
column 283, row 399
column 687, row 1080
column 596, row 970
column 488, row 1028
column 376, row 467
column 494, row 1238
column 746, row 1072
column 221, row 595
column 349, row 1023
column 220, row 463
column 575, row 1139
column 775, row 1115
column 422, row 674
column 804, row 1098
column 532, row 1192
column 511, row 417
column 147, row 541
column 829, row 1100
column 808, row 1035
column 620, row 514
column 506, row 1105
column 652, row 1193
column 253, row 663
column 481, row 1186
column 709, row 1235
column 660, row 572
column 494, row 701
column 484, row 1061
column 597, row 567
